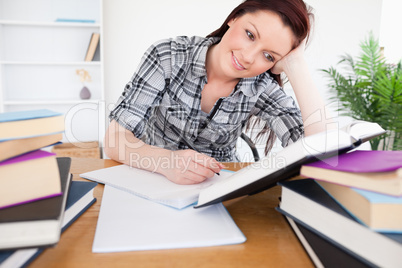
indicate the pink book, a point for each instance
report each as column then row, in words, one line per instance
column 363, row 161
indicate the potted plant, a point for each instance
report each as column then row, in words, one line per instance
column 370, row 89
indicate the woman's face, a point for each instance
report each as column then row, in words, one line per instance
column 253, row 44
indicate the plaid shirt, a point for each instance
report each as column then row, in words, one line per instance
column 162, row 102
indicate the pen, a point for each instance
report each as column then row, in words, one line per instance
column 191, row 147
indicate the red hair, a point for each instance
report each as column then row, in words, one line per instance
column 295, row 14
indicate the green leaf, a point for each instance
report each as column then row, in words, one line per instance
column 369, row 89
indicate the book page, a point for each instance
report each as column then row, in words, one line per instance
column 152, row 186
column 364, row 130
column 130, row 223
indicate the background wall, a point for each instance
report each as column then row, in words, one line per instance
column 391, row 23
column 131, row 26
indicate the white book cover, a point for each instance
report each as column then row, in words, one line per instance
column 130, row 223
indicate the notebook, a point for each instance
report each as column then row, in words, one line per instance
column 130, row 223
column 151, row 185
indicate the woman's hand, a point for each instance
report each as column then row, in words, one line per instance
column 188, row 167
column 181, row 167
column 287, row 63
column 316, row 117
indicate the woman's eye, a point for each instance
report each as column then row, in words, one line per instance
column 269, row 57
column 250, row 35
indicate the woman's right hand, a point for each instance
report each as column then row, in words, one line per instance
column 181, row 167
column 188, row 167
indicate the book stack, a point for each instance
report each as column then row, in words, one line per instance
column 348, row 209
column 30, row 182
column 28, row 172
column 80, row 198
column 37, row 197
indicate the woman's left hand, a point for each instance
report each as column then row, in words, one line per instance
column 286, row 63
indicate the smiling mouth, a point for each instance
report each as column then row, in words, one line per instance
column 236, row 63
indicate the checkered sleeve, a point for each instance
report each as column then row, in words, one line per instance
column 144, row 90
column 281, row 113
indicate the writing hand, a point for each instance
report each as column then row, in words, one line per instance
column 190, row 167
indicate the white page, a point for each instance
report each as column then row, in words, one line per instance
column 151, row 185
column 129, row 223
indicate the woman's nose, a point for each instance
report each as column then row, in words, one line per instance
column 248, row 55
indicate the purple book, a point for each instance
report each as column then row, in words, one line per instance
column 363, row 161
column 25, row 157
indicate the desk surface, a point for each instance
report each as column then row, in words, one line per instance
column 270, row 241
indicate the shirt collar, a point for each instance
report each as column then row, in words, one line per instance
column 248, row 86
column 200, row 56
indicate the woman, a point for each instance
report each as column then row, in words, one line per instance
column 187, row 103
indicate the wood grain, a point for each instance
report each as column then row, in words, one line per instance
column 270, row 241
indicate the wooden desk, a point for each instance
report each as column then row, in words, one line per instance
column 270, row 241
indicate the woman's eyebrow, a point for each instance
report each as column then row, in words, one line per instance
column 259, row 37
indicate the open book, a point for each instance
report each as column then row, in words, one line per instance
column 271, row 169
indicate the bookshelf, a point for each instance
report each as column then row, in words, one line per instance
column 42, row 45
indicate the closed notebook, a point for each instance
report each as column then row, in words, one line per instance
column 29, row 177
column 31, row 123
column 37, row 223
column 378, row 171
column 130, row 223
column 80, row 198
column 380, row 212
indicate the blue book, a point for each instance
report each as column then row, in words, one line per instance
column 80, row 198
column 380, row 212
column 30, row 123
column 75, row 20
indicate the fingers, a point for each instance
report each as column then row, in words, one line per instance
column 285, row 64
column 191, row 167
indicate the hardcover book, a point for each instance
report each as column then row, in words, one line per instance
column 37, row 223
column 324, row 253
column 29, row 177
column 271, row 169
column 379, row 212
column 93, row 47
column 31, row 123
column 378, row 171
column 13, row 148
column 80, row 198
column 308, row 204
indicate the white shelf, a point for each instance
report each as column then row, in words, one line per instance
column 73, row 63
column 53, row 102
column 40, row 58
column 49, row 24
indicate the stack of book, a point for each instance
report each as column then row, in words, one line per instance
column 29, row 173
column 37, row 197
column 347, row 212
column 30, row 176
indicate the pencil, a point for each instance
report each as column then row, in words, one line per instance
column 191, row 147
